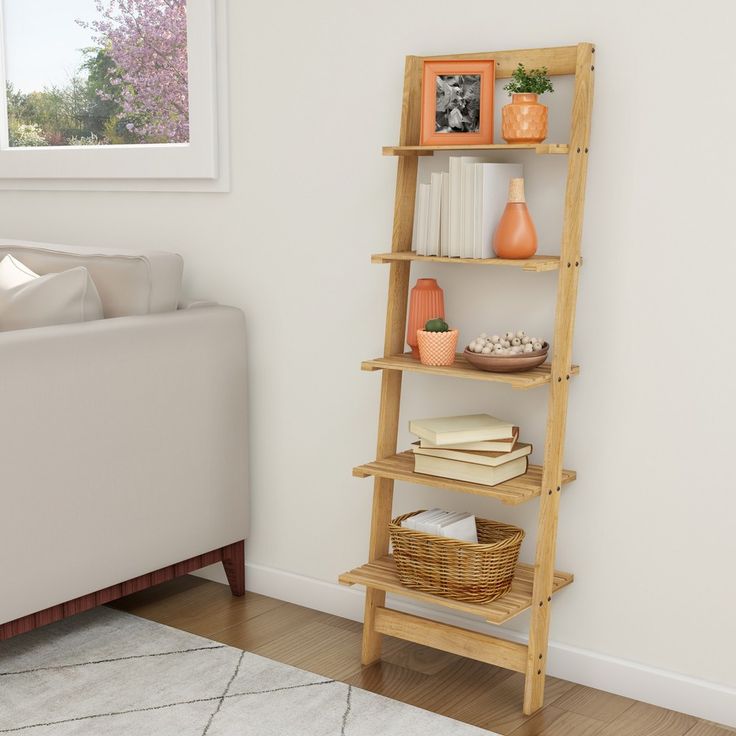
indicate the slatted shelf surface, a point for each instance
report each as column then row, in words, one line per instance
column 462, row 369
column 513, row 492
column 535, row 263
column 381, row 574
column 539, row 148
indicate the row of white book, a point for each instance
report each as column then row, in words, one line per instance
column 458, row 210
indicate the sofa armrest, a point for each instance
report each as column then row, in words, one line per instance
column 122, row 448
column 196, row 303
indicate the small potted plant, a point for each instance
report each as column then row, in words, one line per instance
column 437, row 343
column 524, row 119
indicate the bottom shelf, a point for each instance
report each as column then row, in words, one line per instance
column 382, row 575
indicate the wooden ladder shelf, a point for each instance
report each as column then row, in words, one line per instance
column 533, row 586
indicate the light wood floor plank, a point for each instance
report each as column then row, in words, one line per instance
column 552, row 721
column 201, row 608
column 586, row 701
column 649, row 720
column 704, row 728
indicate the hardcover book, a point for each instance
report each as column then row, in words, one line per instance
column 504, row 445
column 471, row 472
column 469, row 428
column 493, row 459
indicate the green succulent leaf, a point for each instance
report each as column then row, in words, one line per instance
column 534, row 81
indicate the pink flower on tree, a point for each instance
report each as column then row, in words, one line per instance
column 147, row 41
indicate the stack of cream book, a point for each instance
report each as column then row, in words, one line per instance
column 477, row 448
column 456, row 525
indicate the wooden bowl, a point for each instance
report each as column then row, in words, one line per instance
column 507, row 363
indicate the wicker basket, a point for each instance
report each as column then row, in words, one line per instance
column 463, row 571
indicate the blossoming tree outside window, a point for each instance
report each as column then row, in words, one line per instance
column 110, row 89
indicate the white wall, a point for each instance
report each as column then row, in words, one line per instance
column 648, row 528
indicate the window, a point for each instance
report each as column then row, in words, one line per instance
column 112, row 90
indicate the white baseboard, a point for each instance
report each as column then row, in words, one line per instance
column 666, row 689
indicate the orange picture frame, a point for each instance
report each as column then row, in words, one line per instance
column 486, row 70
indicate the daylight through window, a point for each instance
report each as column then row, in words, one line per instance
column 96, row 72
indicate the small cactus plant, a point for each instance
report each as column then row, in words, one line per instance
column 436, row 325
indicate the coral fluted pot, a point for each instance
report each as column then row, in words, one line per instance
column 437, row 348
column 426, row 302
column 524, row 119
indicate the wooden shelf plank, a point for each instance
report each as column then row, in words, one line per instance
column 539, row 148
column 535, row 263
column 381, row 574
column 513, row 492
column 556, row 59
column 462, row 369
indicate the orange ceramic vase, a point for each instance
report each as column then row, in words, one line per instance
column 426, row 302
column 524, row 119
column 515, row 236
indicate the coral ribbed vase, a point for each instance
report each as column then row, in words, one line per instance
column 437, row 348
column 524, row 119
column 426, row 302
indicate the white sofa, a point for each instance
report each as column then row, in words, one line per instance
column 122, row 441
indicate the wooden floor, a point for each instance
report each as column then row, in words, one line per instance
column 469, row 691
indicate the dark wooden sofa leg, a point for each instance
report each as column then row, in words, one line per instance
column 233, row 560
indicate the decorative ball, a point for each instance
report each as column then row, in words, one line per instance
column 510, row 343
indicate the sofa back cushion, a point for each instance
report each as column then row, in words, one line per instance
column 128, row 282
column 29, row 300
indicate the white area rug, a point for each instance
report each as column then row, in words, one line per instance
column 107, row 673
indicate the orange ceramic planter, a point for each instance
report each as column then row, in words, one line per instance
column 437, row 348
column 524, row 119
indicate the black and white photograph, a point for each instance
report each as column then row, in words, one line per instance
column 457, row 103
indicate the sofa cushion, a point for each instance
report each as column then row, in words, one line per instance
column 129, row 283
column 29, row 300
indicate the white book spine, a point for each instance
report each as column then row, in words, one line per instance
column 445, row 216
column 422, row 215
column 468, row 208
column 454, row 207
column 478, row 209
column 435, row 202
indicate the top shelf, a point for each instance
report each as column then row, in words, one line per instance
column 539, row 148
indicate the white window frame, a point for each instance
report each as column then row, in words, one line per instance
column 200, row 165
